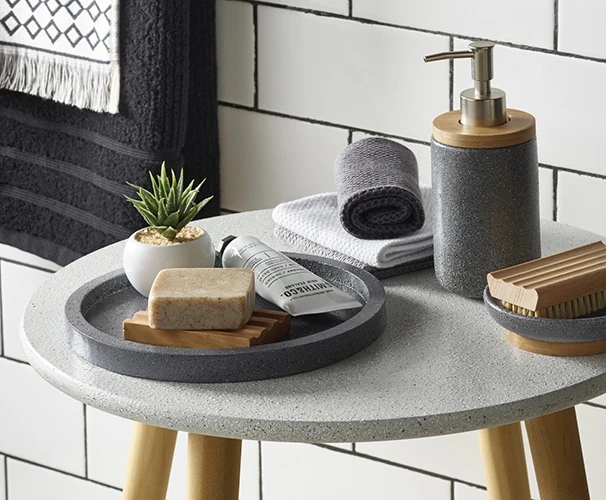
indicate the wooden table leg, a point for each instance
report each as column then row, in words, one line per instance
column 504, row 462
column 557, row 456
column 213, row 468
column 149, row 461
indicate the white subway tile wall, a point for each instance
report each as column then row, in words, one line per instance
column 3, row 464
column 288, row 468
column 582, row 201
column 235, row 54
column 9, row 253
column 107, row 441
column 522, row 22
column 38, row 422
column 465, row 492
column 334, row 6
column 266, row 160
column 346, row 72
column 457, row 455
column 546, row 192
column 31, row 482
column 298, row 81
column 600, row 400
column 17, row 286
column 581, row 29
column 592, row 428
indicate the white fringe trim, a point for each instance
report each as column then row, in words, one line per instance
column 81, row 83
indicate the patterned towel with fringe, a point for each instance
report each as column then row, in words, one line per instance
column 63, row 50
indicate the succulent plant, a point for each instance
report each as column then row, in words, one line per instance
column 171, row 206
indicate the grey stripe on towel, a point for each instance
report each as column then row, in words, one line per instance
column 378, row 189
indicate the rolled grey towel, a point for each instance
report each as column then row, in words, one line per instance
column 378, row 189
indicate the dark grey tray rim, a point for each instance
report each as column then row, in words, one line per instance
column 371, row 316
column 562, row 331
column 79, row 322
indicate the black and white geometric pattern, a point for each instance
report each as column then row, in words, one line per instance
column 81, row 35
column 63, row 26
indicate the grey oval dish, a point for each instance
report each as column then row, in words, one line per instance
column 562, row 331
column 95, row 312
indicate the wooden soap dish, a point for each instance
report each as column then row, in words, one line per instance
column 554, row 305
column 264, row 327
column 555, row 348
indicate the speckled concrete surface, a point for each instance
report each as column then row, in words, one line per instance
column 442, row 366
column 486, row 212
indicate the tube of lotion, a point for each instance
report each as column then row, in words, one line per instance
column 282, row 281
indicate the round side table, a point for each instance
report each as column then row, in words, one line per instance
column 441, row 366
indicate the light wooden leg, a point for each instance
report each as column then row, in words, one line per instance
column 149, row 461
column 504, row 462
column 557, row 456
column 213, row 468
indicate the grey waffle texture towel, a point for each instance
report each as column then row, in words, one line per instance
column 378, row 189
column 312, row 225
column 307, row 246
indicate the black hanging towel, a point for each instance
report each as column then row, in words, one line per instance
column 63, row 170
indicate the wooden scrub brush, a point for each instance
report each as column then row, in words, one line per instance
column 566, row 285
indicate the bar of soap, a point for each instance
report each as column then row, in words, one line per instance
column 201, row 299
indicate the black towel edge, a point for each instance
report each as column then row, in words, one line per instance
column 40, row 247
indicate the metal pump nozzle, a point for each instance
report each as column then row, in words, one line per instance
column 481, row 106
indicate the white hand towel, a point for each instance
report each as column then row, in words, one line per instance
column 315, row 220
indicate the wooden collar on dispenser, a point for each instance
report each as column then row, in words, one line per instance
column 519, row 128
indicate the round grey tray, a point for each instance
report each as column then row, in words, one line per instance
column 561, row 331
column 95, row 312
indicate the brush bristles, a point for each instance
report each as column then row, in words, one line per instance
column 566, row 310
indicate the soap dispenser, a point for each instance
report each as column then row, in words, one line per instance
column 485, row 182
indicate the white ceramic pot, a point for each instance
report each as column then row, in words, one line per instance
column 142, row 261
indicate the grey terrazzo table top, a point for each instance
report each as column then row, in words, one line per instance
column 441, row 366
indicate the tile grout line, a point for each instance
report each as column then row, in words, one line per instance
column 412, row 140
column 580, row 172
column 6, row 477
column 255, row 8
column 573, row 171
column 451, row 76
column 556, row 23
column 555, row 195
column 398, row 465
column 229, row 211
column 85, row 441
column 350, row 136
column 595, row 405
column 14, row 360
column 319, row 122
column 59, row 471
column 25, row 264
column 452, row 490
column 2, row 348
column 361, row 20
column 260, row 471
column 350, row 8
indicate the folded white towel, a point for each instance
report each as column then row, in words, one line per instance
column 315, row 219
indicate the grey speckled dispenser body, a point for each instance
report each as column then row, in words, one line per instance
column 487, row 212
column 485, row 179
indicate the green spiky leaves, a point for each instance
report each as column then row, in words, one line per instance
column 170, row 206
